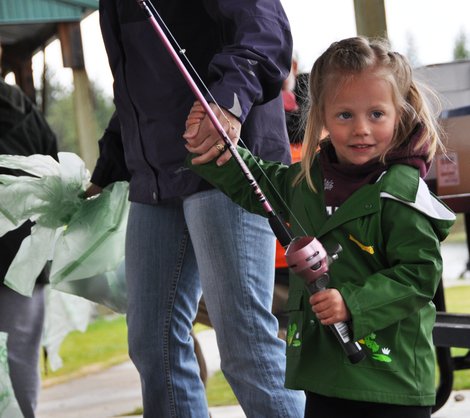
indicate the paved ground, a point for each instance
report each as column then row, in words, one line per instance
column 116, row 391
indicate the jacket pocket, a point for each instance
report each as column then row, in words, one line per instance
column 379, row 355
column 294, row 335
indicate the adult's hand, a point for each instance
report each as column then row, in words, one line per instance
column 203, row 138
column 92, row 190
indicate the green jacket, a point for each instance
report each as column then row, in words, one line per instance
column 387, row 272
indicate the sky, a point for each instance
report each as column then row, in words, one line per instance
column 432, row 26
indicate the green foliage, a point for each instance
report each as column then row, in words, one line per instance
column 461, row 51
column 59, row 113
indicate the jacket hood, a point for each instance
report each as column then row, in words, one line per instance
column 406, row 186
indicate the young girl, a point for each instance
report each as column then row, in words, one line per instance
column 361, row 187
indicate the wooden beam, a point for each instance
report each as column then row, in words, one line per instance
column 23, row 70
column 370, row 18
column 71, row 44
column 85, row 118
column 72, row 55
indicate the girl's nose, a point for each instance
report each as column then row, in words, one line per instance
column 361, row 127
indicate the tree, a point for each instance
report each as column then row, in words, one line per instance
column 60, row 112
column 411, row 50
column 461, row 51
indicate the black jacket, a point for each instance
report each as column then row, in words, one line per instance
column 242, row 50
column 23, row 131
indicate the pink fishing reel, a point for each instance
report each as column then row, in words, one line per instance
column 307, row 258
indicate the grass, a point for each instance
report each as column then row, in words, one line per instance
column 458, row 301
column 104, row 344
column 219, row 392
column 458, row 230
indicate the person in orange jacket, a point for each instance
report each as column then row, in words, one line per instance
column 292, row 97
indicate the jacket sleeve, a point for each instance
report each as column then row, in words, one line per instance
column 411, row 275
column 273, row 178
column 111, row 165
column 256, row 56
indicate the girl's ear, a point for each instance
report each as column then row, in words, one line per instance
column 324, row 133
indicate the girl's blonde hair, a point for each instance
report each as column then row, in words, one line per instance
column 349, row 57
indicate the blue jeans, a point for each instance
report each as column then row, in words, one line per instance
column 176, row 250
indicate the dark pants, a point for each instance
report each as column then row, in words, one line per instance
column 318, row 406
column 22, row 318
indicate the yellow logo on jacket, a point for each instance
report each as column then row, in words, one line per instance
column 367, row 248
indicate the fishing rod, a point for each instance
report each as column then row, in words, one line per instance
column 305, row 255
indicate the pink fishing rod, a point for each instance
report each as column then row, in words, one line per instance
column 305, row 255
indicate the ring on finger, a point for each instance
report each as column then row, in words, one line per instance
column 220, row 147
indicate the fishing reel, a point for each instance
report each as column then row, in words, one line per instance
column 307, row 258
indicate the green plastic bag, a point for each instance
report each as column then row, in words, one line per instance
column 107, row 289
column 88, row 259
column 9, row 407
column 84, row 238
column 49, row 199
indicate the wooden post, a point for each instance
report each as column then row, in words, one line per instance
column 370, row 18
column 72, row 53
column 18, row 60
column 85, row 119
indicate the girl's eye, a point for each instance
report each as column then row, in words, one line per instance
column 377, row 114
column 345, row 115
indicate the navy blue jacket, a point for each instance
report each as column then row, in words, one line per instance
column 242, row 50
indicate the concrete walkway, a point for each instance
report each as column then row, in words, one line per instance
column 116, row 391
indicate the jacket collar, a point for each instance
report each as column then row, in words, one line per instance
column 401, row 181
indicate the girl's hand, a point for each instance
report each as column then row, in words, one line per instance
column 329, row 306
column 202, row 137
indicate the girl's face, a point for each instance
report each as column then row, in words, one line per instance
column 360, row 118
